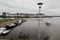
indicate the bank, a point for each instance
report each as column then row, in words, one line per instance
column 4, row 22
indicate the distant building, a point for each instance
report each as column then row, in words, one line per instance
column 25, row 15
column 41, row 15
column 5, row 14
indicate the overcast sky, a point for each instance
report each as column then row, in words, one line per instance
column 50, row 7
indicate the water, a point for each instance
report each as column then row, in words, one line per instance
column 36, row 30
column 54, row 29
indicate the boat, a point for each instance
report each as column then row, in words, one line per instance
column 47, row 22
column 11, row 26
column 1, row 30
column 4, row 31
column 18, row 22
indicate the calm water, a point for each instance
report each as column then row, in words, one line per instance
column 38, row 29
column 54, row 29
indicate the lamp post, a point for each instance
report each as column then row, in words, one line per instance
column 39, row 4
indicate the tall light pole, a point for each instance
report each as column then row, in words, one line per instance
column 39, row 4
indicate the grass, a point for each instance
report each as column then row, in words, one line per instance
column 7, row 20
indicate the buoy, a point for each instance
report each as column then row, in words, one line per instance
column 47, row 23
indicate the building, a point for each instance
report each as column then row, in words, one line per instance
column 22, row 15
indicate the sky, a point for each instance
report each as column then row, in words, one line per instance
column 50, row 7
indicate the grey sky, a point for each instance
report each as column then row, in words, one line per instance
column 50, row 7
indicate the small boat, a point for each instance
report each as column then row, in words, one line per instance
column 47, row 23
column 4, row 31
column 1, row 30
column 11, row 26
column 18, row 23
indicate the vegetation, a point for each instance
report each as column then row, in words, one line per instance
column 5, row 20
column 46, row 38
column 13, row 39
column 23, row 36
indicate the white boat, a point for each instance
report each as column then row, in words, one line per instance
column 12, row 24
column 4, row 31
column 18, row 22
